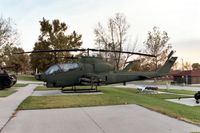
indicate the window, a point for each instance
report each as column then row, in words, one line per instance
column 61, row 67
column 68, row 66
column 52, row 69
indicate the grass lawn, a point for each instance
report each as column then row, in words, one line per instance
column 117, row 96
column 20, row 85
column 44, row 88
column 26, row 77
column 188, row 92
column 8, row 91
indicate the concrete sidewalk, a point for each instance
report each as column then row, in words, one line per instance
column 9, row 104
column 30, row 82
column 104, row 119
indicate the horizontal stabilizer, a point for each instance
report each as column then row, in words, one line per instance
column 131, row 64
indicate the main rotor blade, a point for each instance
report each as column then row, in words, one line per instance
column 118, row 51
column 56, row 50
column 87, row 50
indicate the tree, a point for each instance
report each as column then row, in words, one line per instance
column 136, row 66
column 175, row 66
column 17, row 62
column 53, row 36
column 8, row 36
column 187, row 66
column 156, row 44
column 113, row 37
column 195, row 66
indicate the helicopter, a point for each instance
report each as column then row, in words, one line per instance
column 94, row 71
column 6, row 80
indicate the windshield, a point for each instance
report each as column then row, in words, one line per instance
column 52, row 69
column 61, row 67
column 68, row 66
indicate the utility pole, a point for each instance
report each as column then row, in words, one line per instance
column 182, row 64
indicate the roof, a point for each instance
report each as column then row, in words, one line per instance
column 174, row 72
column 192, row 73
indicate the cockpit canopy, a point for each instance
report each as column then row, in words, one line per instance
column 61, row 68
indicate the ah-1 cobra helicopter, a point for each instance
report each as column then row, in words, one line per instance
column 94, row 71
column 6, row 80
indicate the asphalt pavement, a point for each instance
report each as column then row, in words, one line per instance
column 104, row 119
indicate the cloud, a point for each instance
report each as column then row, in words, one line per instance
column 180, row 19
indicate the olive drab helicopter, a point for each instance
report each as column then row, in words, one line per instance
column 94, row 71
column 6, row 80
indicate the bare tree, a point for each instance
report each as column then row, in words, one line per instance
column 187, row 66
column 113, row 37
column 8, row 35
column 156, row 44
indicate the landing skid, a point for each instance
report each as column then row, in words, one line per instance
column 74, row 89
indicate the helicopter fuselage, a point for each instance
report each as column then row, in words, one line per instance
column 93, row 71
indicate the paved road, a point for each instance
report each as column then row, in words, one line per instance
column 9, row 104
column 105, row 119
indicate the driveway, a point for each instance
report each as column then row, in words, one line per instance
column 104, row 119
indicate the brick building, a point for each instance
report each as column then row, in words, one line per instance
column 187, row 77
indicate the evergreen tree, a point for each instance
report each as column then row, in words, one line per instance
column 53, row 36
column 195, row 66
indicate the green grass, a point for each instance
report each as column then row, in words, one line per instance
column 26, row 77
column 117, row 96
column 188, row 92
column 20, row 85
column 44, row 88
column 8, row 91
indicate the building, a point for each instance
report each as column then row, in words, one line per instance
column 169, row 76
column 187, row 77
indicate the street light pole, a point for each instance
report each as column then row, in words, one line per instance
column 182, row 64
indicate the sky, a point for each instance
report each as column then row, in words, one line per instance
column 179, row 18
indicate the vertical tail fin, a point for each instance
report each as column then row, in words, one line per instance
column 167, row 66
